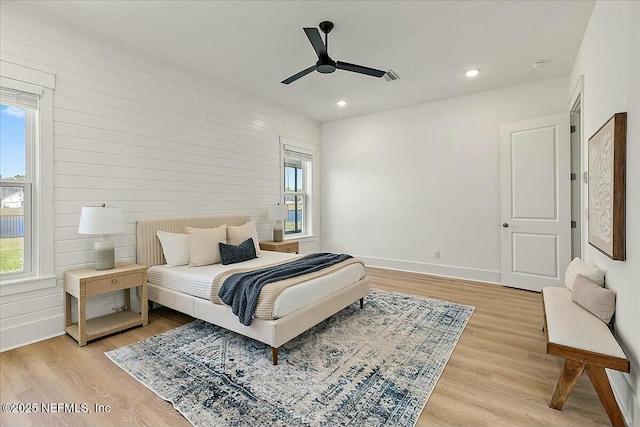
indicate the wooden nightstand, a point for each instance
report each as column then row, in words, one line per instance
column 292, row 246
column 86, row 282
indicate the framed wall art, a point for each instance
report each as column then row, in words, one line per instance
column 607, row 162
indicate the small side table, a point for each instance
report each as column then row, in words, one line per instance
column 291, row 246
column 87, row 282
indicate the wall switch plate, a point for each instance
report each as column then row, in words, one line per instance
column 437, row 254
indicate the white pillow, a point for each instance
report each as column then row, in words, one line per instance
column 175, row 247
column 240, row 233
column 577, row 266
column 203, row 245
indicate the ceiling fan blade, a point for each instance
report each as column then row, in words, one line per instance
column 298, row 75
column 360, row 69
column 316, row 41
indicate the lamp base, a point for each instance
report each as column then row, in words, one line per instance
column 278, row 232
column 104, row 254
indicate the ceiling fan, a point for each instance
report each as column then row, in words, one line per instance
column 325, row 64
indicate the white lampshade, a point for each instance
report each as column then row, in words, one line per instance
column 277, row 212
column 101, row 220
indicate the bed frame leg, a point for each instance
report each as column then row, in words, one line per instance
column 274, row 355
column 361, row 303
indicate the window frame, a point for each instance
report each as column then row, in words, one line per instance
column 306, row 193
column 40, row 160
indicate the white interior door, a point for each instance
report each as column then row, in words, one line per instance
column 536, row 202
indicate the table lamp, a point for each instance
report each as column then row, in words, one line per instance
column 102, row 220
column 278, row 213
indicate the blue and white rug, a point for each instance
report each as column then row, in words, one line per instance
column 371, row 367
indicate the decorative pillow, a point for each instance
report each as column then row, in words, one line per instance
column 577, row 266
column 238, row 234
column 203, row 245
column 232, row 254
column 175, row 247
column 598, row 301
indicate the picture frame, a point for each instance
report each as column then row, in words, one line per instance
column 607, row 170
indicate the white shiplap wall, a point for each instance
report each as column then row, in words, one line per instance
column 135, row 134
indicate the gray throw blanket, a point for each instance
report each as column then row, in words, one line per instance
column 241, row 290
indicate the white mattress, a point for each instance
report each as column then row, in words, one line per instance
column 196, row 281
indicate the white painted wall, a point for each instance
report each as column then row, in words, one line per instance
column 609, row 60
column 402, row 184
column 129, row 132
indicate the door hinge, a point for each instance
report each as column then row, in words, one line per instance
column 573, row 176
column 573, row 129
column 573, row 224
column 585, row 177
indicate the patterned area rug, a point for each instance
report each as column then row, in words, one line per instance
column 371, row 367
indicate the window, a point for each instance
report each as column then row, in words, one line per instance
column 19, row 118
column 26, row 179
column 297, row 166
column 294, row 196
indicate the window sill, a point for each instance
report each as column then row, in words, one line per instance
column 303, row 238
column 26, row 284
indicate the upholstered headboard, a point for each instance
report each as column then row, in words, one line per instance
column 149, row 250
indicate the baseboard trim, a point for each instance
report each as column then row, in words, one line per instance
column 628, row 400
column 29, row 333
column 486, row 276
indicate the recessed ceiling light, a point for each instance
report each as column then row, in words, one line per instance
column 537, row 64
column 472, row 73
column 341, row 103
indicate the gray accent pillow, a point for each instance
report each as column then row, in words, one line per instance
column 231, row 254
column 600, row 302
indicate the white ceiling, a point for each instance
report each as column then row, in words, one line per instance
column 251, row 46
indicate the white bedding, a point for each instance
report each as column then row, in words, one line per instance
column 196, row 281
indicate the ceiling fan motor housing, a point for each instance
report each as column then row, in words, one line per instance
column 325, row 65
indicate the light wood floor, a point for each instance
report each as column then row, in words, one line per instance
column 498, row 375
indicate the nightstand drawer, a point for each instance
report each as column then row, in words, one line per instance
column 288, row 247
column 101, row 286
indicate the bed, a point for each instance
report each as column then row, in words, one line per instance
column 291, row 321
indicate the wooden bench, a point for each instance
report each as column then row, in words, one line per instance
column 585, row 343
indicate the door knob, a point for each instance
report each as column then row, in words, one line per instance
column 505, row 225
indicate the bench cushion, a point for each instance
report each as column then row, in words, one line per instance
column 570, row 325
